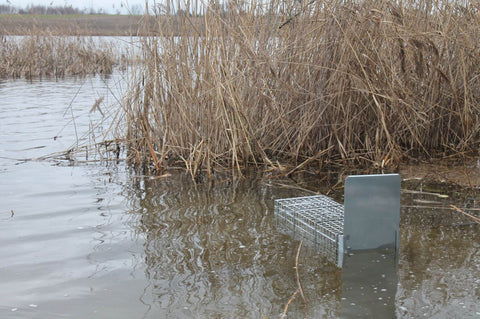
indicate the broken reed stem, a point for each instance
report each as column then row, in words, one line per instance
column 476, row 219
column 299, row 285
column 298, row 275
column 438, row 207
column 288, row 304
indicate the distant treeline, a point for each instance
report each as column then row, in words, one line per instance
column 53, row 10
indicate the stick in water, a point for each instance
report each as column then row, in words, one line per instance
column 476, row 219
column 299, row 289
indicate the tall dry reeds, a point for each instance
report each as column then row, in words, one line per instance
column 293, row 84
column 43, row 55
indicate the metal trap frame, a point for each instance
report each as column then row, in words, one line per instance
column 368, row 220
column 316, row 219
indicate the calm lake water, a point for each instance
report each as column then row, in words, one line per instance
column 96, row 240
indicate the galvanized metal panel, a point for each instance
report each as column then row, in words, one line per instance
column 372, row 212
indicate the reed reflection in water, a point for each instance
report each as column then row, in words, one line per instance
column 212, row 250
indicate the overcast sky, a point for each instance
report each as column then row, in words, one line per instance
column 110, row 6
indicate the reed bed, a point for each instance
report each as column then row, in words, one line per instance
column 291, row 85
column 42, row 55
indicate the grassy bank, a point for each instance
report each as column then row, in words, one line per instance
column 364, row 83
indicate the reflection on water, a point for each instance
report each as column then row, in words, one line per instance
column 212, row 250
column 86, row 240
column 65, row 244
column 439, row 265
column 369, row 284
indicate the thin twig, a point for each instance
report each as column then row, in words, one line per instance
column 298, row 276
column 299, row 289
column 70, row 106
column 290, row 187
column 476, row 219
column 310, row 159
column 410, row 191
column 437, row 207
column 288, row 304
column 295, row 15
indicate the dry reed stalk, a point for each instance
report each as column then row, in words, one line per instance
column 299, row 285
column 287, row 85
column 96, row 105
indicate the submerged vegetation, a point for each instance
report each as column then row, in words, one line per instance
column 39, row 55
column 313, row 82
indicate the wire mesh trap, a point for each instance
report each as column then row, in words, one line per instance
column 368, row 220
column 318, row 220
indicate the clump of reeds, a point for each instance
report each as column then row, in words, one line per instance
column 293, row 84
column 43, row 55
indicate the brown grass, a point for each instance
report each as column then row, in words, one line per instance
column 40, row 55
column 290, row 86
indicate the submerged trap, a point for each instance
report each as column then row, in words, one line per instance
column 368, row 220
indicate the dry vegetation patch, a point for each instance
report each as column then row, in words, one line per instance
column 79, row 24
column 40, row 55
column 291, row 86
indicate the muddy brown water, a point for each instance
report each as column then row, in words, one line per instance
column 97, row 240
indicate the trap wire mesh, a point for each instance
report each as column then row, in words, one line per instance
column 317, row 220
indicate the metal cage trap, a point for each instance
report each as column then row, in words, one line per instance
column 315, row 219
column 368, row 220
